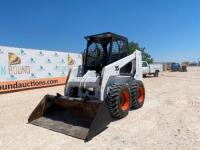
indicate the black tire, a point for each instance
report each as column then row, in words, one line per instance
column 137, row 96
column 144, row 75
column 156, row 74
column 115, row 101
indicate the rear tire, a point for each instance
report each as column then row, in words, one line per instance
column 119, row 100
column 156, row 74
column 137, row 94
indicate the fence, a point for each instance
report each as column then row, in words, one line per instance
column 22, row 68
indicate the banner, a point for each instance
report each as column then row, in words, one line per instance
column 22, row 68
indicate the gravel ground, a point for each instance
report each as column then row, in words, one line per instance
column 169, row 120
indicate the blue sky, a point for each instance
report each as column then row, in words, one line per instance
column 169, row 29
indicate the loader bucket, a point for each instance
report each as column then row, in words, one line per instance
column 80, row 119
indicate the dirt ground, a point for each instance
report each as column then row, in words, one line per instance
column 169, row 120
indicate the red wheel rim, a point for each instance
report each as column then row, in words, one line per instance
column 141, row 94
column 125, row 100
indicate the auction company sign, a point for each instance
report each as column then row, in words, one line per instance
column 22, row 68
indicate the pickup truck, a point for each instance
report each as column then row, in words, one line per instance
column 151, row 69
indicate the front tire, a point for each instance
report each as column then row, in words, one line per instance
column 119, row 101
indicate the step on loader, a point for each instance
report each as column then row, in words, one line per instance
column 103, row 89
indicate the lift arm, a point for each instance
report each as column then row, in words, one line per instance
column 114, row 69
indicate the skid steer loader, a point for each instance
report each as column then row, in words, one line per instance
column 103, row 89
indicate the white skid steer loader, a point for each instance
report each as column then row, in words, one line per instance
column 104, row 88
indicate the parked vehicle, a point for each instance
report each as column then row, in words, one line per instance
column 183, row 68
column 151, row 69
column 175, row 67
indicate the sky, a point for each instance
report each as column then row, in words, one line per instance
column 168, row 29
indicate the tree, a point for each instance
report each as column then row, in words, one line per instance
column 132, row 46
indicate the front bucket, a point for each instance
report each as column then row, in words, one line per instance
column 80, row 119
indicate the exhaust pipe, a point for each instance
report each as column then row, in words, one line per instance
column 80, row 119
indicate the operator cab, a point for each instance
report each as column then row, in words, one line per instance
column 103, row 49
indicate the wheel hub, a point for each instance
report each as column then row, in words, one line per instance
column 125, row 100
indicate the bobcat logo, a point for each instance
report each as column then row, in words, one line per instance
column 116, row 68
